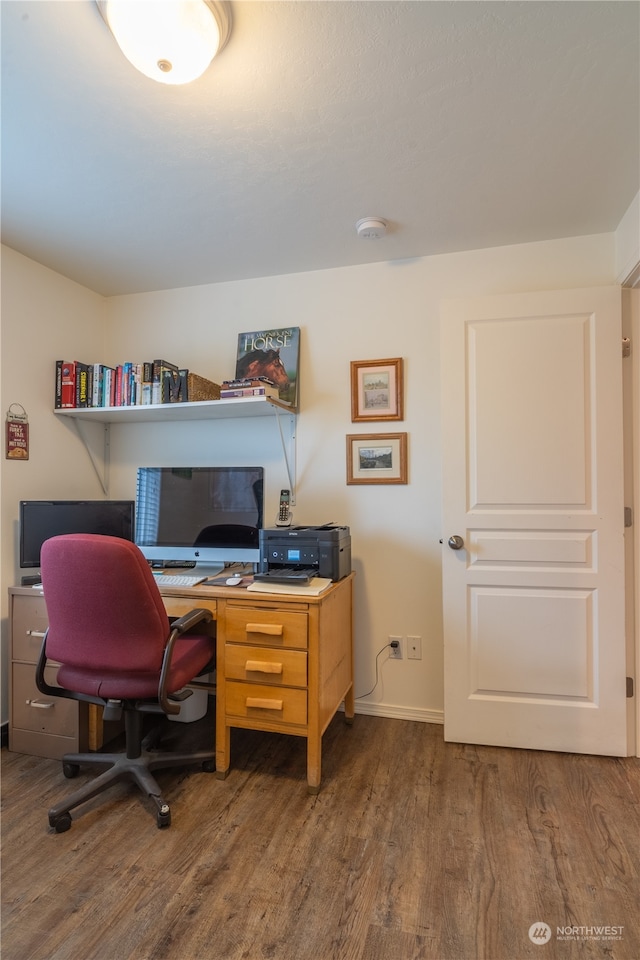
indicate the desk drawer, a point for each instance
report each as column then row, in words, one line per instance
column 178, row 606
column 261, row 626
column 264, row 664
column 28, row 627
column 254, row 701
column 38, row 712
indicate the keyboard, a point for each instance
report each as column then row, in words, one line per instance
column 179, row 580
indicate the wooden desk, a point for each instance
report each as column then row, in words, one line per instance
column 284, row 664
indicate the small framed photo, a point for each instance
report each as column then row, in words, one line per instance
column 376, row 390
column 377, row 458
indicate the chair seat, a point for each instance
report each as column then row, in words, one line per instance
column 191, row 655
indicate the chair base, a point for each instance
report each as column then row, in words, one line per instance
column 122, row 767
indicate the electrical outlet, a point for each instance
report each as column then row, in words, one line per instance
column 395, row 653
column 414, row 648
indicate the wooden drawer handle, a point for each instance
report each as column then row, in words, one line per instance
column 35, row 633
column 272, row 629
column 39, row 704
column 263, row 666
column 264, row 704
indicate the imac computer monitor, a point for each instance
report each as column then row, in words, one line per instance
column 42, row 519
column 210, row 515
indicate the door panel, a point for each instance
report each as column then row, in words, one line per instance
column 549, row 655
column 534, row 601
column 527, row 374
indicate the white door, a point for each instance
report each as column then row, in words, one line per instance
column 533, row 484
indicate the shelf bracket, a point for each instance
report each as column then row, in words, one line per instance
column 290, row 454
column 102, row 475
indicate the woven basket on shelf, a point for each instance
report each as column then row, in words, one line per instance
column 185, row 386
column 199, row 388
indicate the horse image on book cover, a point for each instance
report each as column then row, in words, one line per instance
column 274, row 354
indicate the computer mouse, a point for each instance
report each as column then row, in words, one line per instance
column 233, row 581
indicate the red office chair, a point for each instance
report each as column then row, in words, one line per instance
column 109, row 631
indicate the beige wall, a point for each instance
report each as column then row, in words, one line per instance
column 379, row 310
column 44, row 317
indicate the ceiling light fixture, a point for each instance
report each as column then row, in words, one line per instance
column 171, row 41
column 371, row 228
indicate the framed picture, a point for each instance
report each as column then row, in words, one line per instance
column 377, row 458
column 376, row 389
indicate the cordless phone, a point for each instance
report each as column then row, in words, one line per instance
column 285, row 516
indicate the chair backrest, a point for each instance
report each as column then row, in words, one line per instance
column 104, row 608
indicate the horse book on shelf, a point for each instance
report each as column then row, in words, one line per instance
column 274, row 354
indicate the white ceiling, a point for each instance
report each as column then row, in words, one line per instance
column 464, row 124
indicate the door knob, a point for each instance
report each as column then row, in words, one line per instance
column 455, row 542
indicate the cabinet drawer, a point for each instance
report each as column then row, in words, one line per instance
column 28, row 627
column 277, row 628
column 254, row 701
column 37, row 712
column 42, row 745
column 264, row 664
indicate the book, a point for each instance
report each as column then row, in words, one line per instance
column 136, row 389
column 247, row 382
column 126, row 384
column 146, row 382
column 108, row 387
column 117, row 395
column 274, row 354
column 89, row 367
column 260, row 391
column 82, row 384
column 97, row 385
column 58, row 394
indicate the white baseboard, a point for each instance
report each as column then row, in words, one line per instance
column 393, row 712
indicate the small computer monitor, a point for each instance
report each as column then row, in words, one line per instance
column 42, row 519
column 208, row 515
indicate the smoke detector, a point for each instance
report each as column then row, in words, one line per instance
column 371, row 228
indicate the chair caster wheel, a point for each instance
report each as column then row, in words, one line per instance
column 70, row 770
column 209, row 766
column 61, row 823
column 163, row 812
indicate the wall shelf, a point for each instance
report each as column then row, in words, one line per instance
column 226, row 409
column 198, row 410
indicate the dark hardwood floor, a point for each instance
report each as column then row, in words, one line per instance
column 414, row 849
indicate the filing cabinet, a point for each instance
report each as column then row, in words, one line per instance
column 38, row 725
